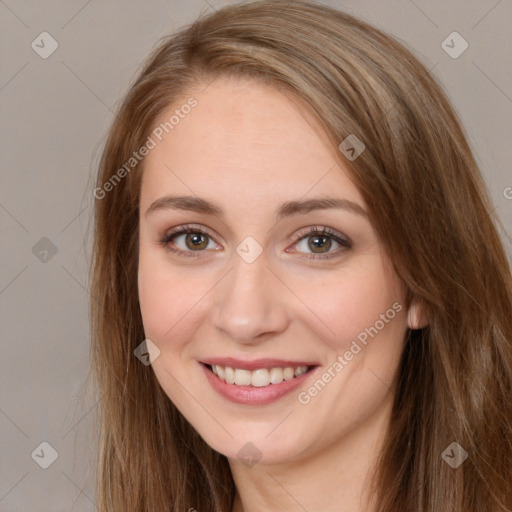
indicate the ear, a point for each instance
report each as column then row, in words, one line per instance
column 416, row 316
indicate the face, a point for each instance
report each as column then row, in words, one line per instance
column 254, row 281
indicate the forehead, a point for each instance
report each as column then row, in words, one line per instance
column 246, row 137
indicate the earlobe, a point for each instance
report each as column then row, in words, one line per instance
column 416, row 316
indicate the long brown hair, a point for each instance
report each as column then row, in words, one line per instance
column 428, row 204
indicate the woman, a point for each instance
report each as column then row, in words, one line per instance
column 301, row 301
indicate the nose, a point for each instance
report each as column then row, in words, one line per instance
column 250, row 302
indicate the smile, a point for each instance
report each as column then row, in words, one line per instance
column 257, row 387
column 257, row 378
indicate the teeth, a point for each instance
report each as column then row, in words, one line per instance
column 300, row 370
column 288, row 373
column 260, row 378
column 229, row 375
column 257, row 378
column 276, row 375
column 242, row 377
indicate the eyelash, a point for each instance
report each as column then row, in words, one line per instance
column 303, row 234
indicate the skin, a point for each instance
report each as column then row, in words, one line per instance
column 250, row 148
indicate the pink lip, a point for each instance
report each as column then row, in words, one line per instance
column 255, row 364
column 250, row 395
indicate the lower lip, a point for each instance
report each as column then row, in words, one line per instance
column 251, row 395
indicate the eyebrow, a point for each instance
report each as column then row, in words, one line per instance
column 297, row 207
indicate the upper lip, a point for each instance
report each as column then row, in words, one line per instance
column 255, row 364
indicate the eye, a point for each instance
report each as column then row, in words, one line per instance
column 196, row 239
column 320, row 241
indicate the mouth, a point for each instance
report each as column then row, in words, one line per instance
column 259, row 386
column 258, row 378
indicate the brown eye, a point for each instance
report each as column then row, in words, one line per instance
column 195, row 240
column 319, row 241
column 323, row 243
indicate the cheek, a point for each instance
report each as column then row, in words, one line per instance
column 350, row 304
column 166, row 298
column 363, row 326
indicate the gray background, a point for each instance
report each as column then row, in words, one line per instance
column 55, row 114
